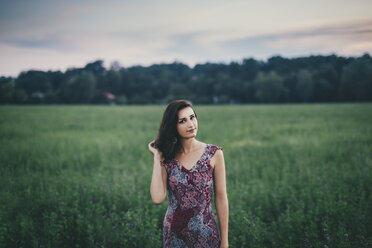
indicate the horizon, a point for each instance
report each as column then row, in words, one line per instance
column 107, row 67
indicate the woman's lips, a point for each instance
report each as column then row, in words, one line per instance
column 189, row 131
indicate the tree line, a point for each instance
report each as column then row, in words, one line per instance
column 278, row 80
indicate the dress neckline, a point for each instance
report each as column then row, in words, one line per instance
column 197, row 162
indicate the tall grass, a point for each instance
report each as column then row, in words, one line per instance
column 79, row 176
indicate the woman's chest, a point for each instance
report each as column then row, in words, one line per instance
column 197, row 179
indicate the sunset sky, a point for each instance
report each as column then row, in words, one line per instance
column 56, row 35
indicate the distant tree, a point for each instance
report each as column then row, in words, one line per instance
column 305, row 86
column 237, row 90
column 79, row 89
column 203, row 88
column 95, row 67
column 289, row 82
column 56, row 79
column 234, row 70
column 115, row 66
column 210, row 70
column 278, row 64
column 145, row 97
column 326, row 82
column 9, row 94
column 180, row 72
column 20, row 96
column 303, row 79
column 356, row 80
column 179, row 91
column 249, row 69
column 7, row 86
column 113, row 81
column 323, row 91
column 270, row 87
column 221, row 83
column 121, row 99
column 33, row 81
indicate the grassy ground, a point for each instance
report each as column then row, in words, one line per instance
column 79, row 176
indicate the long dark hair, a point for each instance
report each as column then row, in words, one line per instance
column 168, row 141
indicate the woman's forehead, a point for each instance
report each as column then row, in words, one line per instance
column 185, row 112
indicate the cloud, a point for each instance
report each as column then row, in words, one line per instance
column 324, row 39
column 70, row 32
column 55, row 43
column 349, row 39
column 185, row 43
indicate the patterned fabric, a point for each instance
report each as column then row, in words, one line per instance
column 189, row 220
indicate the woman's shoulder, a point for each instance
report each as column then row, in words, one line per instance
column 214, row 154
column 212, row 149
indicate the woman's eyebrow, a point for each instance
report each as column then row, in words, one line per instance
column 185, row 117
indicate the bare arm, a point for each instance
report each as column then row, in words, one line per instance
column 221, row 201
column 158, row 188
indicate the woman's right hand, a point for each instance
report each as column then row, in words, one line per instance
column 153, row 150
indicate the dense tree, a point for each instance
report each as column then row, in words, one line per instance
column 249, row 69
column 112, row 82
column 303, row 79
column 95, row 67
column 34, row 81
column 79, row 89
column 356, row 80
column 270, row 88
column 326, row 82
column 305, row 86
column 7, row 86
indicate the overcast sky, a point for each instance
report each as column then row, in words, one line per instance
column 56, row 35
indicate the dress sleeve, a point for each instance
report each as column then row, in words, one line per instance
column 166, row 165
column 213, row 150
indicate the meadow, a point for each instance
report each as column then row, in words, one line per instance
column 79, row 176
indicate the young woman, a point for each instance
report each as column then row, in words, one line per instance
column 191, row 171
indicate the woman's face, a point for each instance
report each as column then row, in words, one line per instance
column 187, row 124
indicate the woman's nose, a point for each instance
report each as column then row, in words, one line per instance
column 190, row 124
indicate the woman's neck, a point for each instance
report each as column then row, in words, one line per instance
column 189, row 145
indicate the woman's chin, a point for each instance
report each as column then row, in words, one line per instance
column 193, row 135
column 189, row 136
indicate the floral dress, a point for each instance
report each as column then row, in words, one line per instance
column 189, row 220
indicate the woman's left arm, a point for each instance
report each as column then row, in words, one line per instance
column 221, row 201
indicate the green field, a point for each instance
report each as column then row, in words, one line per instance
column 79, row 176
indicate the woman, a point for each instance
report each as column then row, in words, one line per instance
column 191, row 170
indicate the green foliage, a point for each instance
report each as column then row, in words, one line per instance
column 270, row 88
column 356, row 80
column 79, row 88
column 6, row 90
column 279, row 80
column 305, row 85
column 121, row 99
column 33, row 81
column 79, row 176
column 9, row 93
